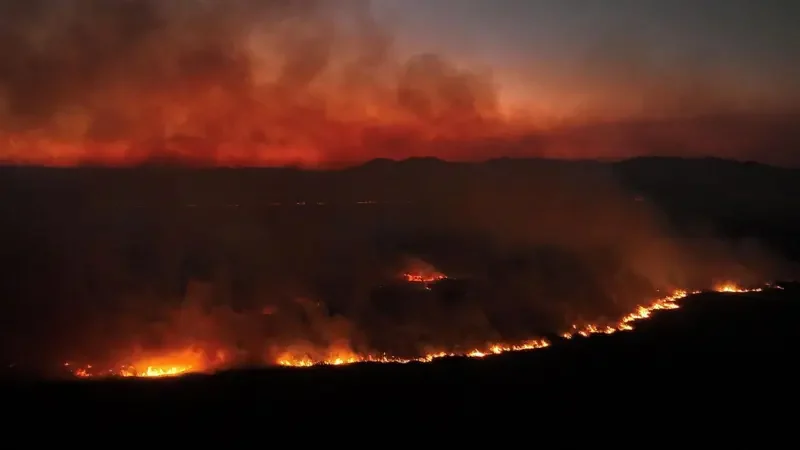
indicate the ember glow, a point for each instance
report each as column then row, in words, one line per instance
column 190, row 361
column 423, row 278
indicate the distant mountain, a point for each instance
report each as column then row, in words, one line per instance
column 707, row 187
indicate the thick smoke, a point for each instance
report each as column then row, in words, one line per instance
column 221, row 82
column 251, row 267
column 320, row 82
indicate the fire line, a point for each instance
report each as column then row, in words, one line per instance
column 182, row 364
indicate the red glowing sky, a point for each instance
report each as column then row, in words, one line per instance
column 322, row 82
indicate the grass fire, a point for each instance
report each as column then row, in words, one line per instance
column 160, row 272
column 224, row 207
column 188, row 362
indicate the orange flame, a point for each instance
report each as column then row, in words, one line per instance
column 189, row 361
column 422, row 273
column 164, row 365
column 423, row 278
column 730, row 287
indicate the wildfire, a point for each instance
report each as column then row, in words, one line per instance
column 190, row 361
column 125, row 371
column 626, row 324
column 420, row 272
column 423, row 277
column 496, row 349
column 165, row 365
column 733, row 288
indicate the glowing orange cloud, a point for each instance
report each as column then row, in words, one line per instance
column 253, row 83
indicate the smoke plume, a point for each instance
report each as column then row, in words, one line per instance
column 221, row 82
column 226, row 268
column 319, row 82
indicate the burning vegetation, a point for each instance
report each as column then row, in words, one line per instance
column 515, row 261
column 140, row 272
column 191, row 361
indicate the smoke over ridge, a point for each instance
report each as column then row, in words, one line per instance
column 311, row 82
column 221, row 82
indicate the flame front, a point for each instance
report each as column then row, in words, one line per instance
column 495, row 349
column 158, row 371
column 188, row 361
column 168, row 364
column 125, row 371
column 729, row 287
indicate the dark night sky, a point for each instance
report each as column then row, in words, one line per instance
column 549, row 51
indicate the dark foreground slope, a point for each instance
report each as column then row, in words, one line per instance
column 732, row 346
